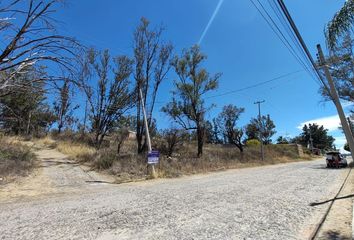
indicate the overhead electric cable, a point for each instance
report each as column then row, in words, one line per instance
column 302, row 42
column 271, row 23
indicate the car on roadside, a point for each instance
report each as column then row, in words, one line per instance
column 335, row 159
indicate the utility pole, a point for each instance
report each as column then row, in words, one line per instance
column 261, row 126
column 147, row 134
column 335, row 98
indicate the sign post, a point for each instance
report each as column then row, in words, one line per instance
column 153, row 157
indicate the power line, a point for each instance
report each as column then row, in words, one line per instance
column 255, row 85
column 302, row 42
column 272, row 24
column 160, row 103
column 276, row 9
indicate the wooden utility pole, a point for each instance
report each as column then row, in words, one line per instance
column 335, row 99
column 261, row 126
column 147, row 134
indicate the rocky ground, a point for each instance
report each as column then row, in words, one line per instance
column 66, row 201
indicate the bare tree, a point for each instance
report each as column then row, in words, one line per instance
column 63, row 108
column 122, row 135
column 187, row 107
column 174, row 138
column 110, row 98
column 29, row 38
column 152, row 63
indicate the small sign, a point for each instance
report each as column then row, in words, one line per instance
column 153, row 157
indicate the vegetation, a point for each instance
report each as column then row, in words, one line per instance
column 25, row 111
column 63, row 108
column 32, row 41
column 262, row 128
column 15, row 159
column 187, row 107
column 316, row 134
column 35, row 60
column 151, row 65
column 340, row 24
column 341, row 61
column 129, row 165
column 110, row 98
column 227, row 121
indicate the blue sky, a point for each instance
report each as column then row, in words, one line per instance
column 238, row 43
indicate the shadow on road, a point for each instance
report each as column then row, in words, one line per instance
column 323, row 166
column 319, row 166
column 48, row 162
column 330, row 200
column 334, row 235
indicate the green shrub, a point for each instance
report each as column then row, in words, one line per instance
column 253, row 142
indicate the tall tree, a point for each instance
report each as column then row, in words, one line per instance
column 188, row 107
column 209, row 136
column 63, row 108
column 282, row 140
column 261, row 129
column 32, row 40
column 111, row 97
column 227, row 121
column 341, row 23
column 25, row 111
column 152, row 63
column 319, row 135
column 216, row 132
column 341, row 60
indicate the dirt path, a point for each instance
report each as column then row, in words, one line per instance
column 56, row 174
column 271, row 202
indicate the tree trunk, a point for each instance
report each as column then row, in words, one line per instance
column 60, row 126
column 118, row 147
column 28, row 123
column 240, row 147
column 200, row 139
column 139, row 139
column 97, row 140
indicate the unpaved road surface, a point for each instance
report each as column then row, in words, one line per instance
column 257, row 203
column 56, row 174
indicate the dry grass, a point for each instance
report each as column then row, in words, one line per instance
column 218, row 157
column 78, row 151
column 45, row 142
column 128, row 165
column 16, row 159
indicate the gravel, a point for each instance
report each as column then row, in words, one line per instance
column 257, row 203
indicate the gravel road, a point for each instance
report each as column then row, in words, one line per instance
column 269, row 202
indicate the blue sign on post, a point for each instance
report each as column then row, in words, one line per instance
column 153, row 157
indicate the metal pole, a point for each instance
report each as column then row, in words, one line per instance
column 261, row 125
column 147, row 134
column 335, row 98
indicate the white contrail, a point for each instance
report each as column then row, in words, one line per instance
column 210, row 21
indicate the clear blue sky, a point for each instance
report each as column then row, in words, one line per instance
column 238, row 43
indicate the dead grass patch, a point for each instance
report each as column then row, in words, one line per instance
column 128, row 165
column 77, row 151
column 16, row 159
